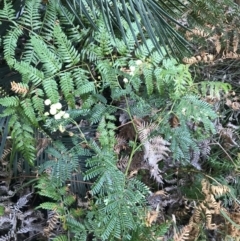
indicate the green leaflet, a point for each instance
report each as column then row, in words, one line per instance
column 7, row 12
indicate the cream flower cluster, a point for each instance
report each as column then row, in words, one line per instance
column 55, row 110
column 138, row 63
column 133, row 69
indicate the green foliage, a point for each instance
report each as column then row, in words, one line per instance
column 67, row 162
column 193, row 109
column 109, row 77
column 151, row 233
column 2, row 210
column 114, row 213
column 31, row 18
column 22, row 135
column 12, row 101
column 63, row 199
column 61, row 238
column 7, row 12
column 214, row 89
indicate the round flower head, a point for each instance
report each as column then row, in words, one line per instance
column 138, row 62
column 132, row 68
column 53, row 111
column 125, row 80
column 46, row 113
column 61, row 113
column 47, row 102
column 57, row 116
column 66, row 115
column 58, row 106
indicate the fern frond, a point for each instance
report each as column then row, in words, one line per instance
column 22, row 134
column 10, row 44
column 69, row 200
column 61, row 238
column 198, row 110
column 20, row 88
column 38, row 102
column 66, row 18
column 49, row 206
column 143, row 50
column 213, row 89
column 31, row 15
column 47, row 56
column 183, row 235
column 108, row 73
column 33, row 74
column 148, row 75
column 69, row 55
column 67, row 87
column 51, row 89
column 104, row 40
column 155, row 147
column 12, row 101
column 8, row 11
column 28, row 110
column 29, row 55
column 82, row 83
column 49, row 21
column 181, row 142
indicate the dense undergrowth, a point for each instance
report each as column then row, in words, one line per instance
column 105, row 138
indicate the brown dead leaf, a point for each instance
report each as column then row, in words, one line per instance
column 151, row 217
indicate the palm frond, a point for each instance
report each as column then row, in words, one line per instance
column 154, row 19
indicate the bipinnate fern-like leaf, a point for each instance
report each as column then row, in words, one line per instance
column 47, row 56
column 47, row 190
column 181, row 143
column 195, row 122
column 78, row 228
column 49, row 21
column 66, row 50
column 114, row 216
column 31, row 16
column 10, row 44
column 183, row 234
column 61, row 238
column 67, row 87
column 32, row 73
column 49, row 205
column 198, row 110
column 51, row 89
column 67, row 162
column 213, row 89
column 38, row 102
column 148, row 77
column 20, row 88
column 155, row 147
column 23, row 136
column 7, row 12
column 12, row 101
column 22, row 201
column 27, row 106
